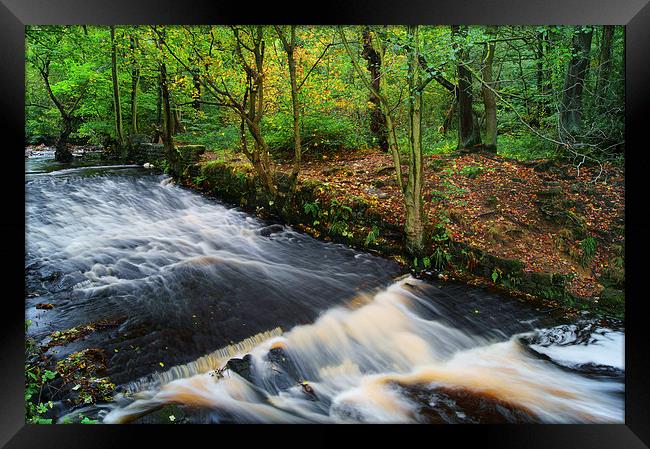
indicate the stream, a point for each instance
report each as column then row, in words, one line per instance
column 239, row 320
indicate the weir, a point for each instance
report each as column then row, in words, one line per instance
column 367, row 364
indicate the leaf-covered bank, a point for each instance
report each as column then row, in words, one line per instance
column 537, row 229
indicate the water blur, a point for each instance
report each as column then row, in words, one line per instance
column 386, row 362
column 189, row 274
column 319, row 332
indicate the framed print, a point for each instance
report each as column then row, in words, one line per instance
column 376, row 214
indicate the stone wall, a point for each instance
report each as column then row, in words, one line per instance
column 152, row 153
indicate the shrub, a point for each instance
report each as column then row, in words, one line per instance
column 319, row 133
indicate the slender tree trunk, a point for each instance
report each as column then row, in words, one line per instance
column 605, row 63
column 295, row 102
column 412, row 191
column 135, row 79
column 372, row 54
column 450, row 114
column 468, row 134
column 414, row 228
column 159, row 111
column 197, row 91
column 489, row 99
column 393, row 143
column 119, row 133
column 543, row 74
column 289, row 48
column 571, row 107
column 177, row 125
column 167, row 119
column 539, row 56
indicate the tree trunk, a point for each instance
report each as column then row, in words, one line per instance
column 489, row 99
column 135, row 79
column 252, row 110
column 450, row 114
column 116, row 97
column 289, row 48
column 62, row 153
column 605, row 62
column 414, row 228
column 159, row 112
column 571, row 107
column 372, row 54
column 196, row 80
column 412, row 191
column 296, row 110
column 167, row 119
column 543, row 75
column 177, row 126
column 468, row 135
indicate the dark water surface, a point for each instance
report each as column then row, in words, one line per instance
column 186, row 276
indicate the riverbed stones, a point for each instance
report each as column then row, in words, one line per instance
column 241, row 366
column 272, row 229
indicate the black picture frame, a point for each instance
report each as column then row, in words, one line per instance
column 634, row 14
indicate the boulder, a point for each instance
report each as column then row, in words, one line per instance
column 268, row 230
column 241, row 366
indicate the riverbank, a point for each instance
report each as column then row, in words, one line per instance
column 176, row 252
column 538, row 230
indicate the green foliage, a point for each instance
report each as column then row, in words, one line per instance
column 319, row 133
column 525, row 146
column 588, row 247
column 333, row 101
column 440, row 258
column 472, row 171
column 371, row 238
column 241, row 176
column 213, row 134
column 36, row 379
column 435, row 143
column 339, row 215
column 448, row 190
column 86, row 420
column 440, row 233
column 313, row 209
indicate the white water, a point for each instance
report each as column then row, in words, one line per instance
column 359, row 362
column 605, row 347
column 192, row 275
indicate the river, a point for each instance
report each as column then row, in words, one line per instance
column 314, row 331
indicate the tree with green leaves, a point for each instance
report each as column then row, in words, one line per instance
column 412, row 189
column 46, row 49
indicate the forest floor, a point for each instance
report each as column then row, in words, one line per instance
column 551, row 216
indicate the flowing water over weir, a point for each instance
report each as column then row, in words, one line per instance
column 237, row 320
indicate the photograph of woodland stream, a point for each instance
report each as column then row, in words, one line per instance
column 336, row 224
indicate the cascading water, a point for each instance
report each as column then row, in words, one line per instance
column 309, row 331
column 386, row 362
